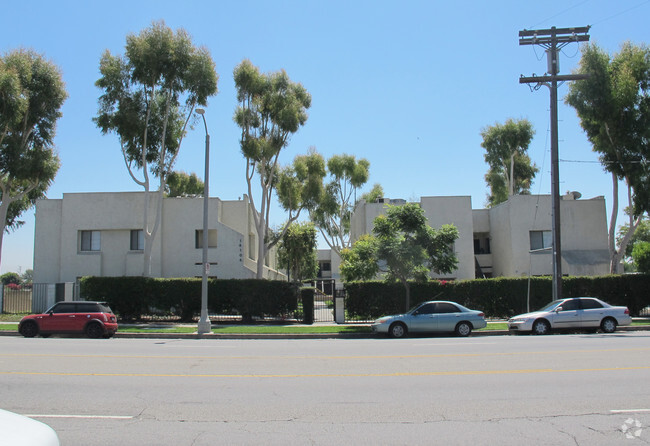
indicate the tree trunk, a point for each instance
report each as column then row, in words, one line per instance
column 407, row 290
column 633, row 223
column 261, row 249
column 511, row 180
column 4, row 208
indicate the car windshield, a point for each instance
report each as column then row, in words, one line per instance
column 552, row 305
column 414, row 308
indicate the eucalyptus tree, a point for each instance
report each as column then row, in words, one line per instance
column 335, row 206
column 614, row 109
column 403, row 247
column 181, row 184
column 272, row 108
column 148, row 98
column 510, row 169
column 32, row 93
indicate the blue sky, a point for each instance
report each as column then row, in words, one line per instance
column 406, row 84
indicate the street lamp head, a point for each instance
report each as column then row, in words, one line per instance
column 200, row 111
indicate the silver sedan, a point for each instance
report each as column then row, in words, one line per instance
column 575, row 313
column 429, row 317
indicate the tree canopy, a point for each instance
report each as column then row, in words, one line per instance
column 641, row 256
column 297, row 251
column 403, row 247
column 334, row 208
column 181, row 184
column 510, row 169
column 32, row 93
column 148, row 99
column 614, row 109
column 271, row 109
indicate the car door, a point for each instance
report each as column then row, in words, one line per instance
column 60, row 319
column 423, row 319
column 568, row 315
column 448, row 316
column 593, row 312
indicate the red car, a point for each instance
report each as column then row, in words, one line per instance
column 95, row 319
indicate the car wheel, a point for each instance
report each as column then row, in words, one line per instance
column 397, row 330
column 29, row 329
column 463, row 329
column 541, row 327
column 608, row 325
column 94, row 330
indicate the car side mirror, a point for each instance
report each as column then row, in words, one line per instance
column 558, row 309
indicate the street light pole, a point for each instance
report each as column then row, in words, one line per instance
column 204, row 322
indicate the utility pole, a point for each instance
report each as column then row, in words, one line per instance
column 553, row 40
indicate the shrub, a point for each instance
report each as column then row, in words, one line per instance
column 497, row 298
column 132, row 297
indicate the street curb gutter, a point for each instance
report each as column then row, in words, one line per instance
column 295, row 336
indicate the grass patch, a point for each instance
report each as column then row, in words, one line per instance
column 252, row 329
column 268, row 329
column 12, row 317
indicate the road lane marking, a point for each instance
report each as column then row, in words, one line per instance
column 332, row 375
column 93, row 417
column 629, row 410
column 329, row 357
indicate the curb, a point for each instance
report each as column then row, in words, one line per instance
column 297, row 336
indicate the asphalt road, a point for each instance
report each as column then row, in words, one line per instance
column 590, row 389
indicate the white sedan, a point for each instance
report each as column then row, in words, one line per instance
column 18, row 430
column 586, row 313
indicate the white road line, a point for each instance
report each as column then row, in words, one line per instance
column 629, row 410
column 106, row 417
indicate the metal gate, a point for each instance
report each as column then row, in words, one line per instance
column 324, row 300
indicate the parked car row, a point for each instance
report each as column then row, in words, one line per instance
column 96, row 319
column 584, row 313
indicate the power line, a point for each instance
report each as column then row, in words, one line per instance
column 603, row 162
column 621, row 13
column 560, row 13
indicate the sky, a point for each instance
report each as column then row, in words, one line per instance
column 406, row 84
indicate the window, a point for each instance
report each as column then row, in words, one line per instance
column 571, row 305
column 426, row 309
column 62, row 308
column 590, row 304
column 540, row 240
column 444, row 307
column 87, row 308
column 137, row 240
column 212, row 238
column 481, row 243
column 90, row 240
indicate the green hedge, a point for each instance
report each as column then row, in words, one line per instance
column 497, row 298
column 132, row 297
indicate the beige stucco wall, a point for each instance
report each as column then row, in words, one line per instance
column 458, row 212
column 47, row 241
column 508, row 226
column 58, row 258
column 583, row 236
